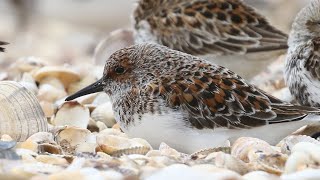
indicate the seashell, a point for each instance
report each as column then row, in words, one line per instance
column 260, row 175
column 76, row 86
column 28, row 82
column 76, row 140
column 48, row 108
column 25, row 64
column 226, row 161
column 304, row 155
column 287, row 143
column 112, row 131
column 101, row 98
column 309, row 130
column 49, row 148
column 50, row 93
column 242, row 146
column 168, row 151
column 91, row 107
column 92, row 126
column 27, row 170
column 3, row 76
column 72, row 113
column 33, row 142
column 308, row 174
column 117, row 146
column 132, row 150
column 50, row 159
column 62, row 74
column 84, row 173
column 199, row 172
column 6, row 137
column 104, row 113
column 111, row 174
column 101, row 126
column 269, row 162
column 205, row 152
column 21, row 115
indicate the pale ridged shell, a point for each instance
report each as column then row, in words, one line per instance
column 133, row 150
column 115, row 145
column 20, row 115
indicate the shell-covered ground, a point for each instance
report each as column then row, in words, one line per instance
column 44, row 137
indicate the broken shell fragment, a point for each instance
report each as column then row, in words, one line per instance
column 76, row 140
column 72, row 113
column 21, row 114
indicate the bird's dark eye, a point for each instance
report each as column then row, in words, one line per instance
column 119, row 70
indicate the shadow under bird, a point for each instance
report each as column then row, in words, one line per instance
column 302, row 68
column 228, row 29
column 164, row 95
column 2, row 43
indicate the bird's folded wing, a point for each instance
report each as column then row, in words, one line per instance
column 210, row 27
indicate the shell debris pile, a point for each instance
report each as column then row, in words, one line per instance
column 80, row 139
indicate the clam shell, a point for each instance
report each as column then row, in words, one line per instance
column 287, row 143
column 104, row 113
column 20, row 115
column 76, row 140
column 242, row 146
column 72, row 113
column 226, row 161
column 304, row 155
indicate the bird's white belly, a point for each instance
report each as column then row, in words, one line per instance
column 171, row 129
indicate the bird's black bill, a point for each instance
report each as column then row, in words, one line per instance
column 93, row 88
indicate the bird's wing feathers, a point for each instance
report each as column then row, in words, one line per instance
column 212, row 26
column 2, row 49
column 219, row 98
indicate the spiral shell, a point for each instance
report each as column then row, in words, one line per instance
column 20, row 115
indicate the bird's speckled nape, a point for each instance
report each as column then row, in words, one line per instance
column 302, row 68
column 197, row 27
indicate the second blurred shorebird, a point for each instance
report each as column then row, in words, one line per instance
column 228, row 29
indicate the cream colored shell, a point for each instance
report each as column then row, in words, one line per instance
column 20, row 112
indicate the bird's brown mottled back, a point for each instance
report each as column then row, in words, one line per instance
column 207, row 94
column 200, row 27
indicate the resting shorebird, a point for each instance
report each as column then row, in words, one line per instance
column 229, row 29
column 302, row 68
column 164, row 95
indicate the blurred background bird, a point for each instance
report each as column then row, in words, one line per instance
column 230, row 33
